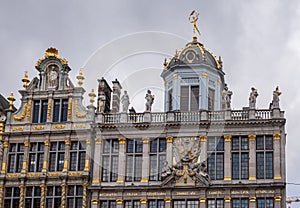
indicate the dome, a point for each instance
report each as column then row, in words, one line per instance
column 193, row 54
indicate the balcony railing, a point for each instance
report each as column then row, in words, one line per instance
column 155, row 117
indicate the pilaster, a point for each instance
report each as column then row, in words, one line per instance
column 87, row 155
column 97, row 161
column 169, row 152
column 67, row 154
column 168, row 202
column 227, row 202
column 143, row 203
column 5, row 157
column 43, row 195
column 119, row 203
column 227, row 158
column 22, row 195
column 146, row 161
column 46, row 154
column 203, row 146
column 84, row 197
column 277, row 156
column 252, row 156
column 252, row 202
column 277, row 201
column 63, row 195
column 122, row 160
column 25, row 158
column 202, row 202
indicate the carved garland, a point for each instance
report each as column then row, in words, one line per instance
column 78, row 115
column 29, row 110
column 70, row 108
column 22, row 116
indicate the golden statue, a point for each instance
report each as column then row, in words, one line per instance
column 193, row 19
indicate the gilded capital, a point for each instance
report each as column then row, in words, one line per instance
column 119, row 201
column 143, row 201
column 203, row 138
column 88, row 141
column 276, row 136
column 204, row 75
column 252, row 137
column 168, row 200
column 227, row 199
column 5, row 144
column 252, row 199
column 227, row 138
column 46, row 142
column 146, row 140
column 277, row 198
column 26, row 143
column 169, row 139
column 122, row 140
column 202, row 200
column 67, row 142
column 175, row 76
column 98, row 140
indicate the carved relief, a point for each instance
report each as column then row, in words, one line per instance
column 53, row 76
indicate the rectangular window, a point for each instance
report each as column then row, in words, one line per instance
column 215, row 155
column 40, row 108
column 36, row 157
column 159, row 203
column 215, row 203
column 132, row 204
column 77, row 156
column 265, row 203
column 185, row 203
column 240, row 157
column 110, row 160
column 170, row 100
column 57, row 156
column 108, row 204
column 60, row 110
column 189, row 98
column 240, row 203
column 11, row 197
column 264, row 157
column 157, row 157
column 211, row 99
column 32, row 197
column 15, row 157
column 53, row 198
column 134, row 157
column 74, row 196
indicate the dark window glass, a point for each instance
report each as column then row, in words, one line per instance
column 108, row 204
column 170, row 100
column 264, row 157
column 156, row 203
column 36, row 157
column 211, row 99
column 56, row 110
column 15, row 158
column 57, row 154
column 74, row 196
column 240, row 203
column 12, row 197
column 184, row 98
column 265, row 203
column 240, row 157
column 77, row 156
column 194, row 98
column 64, row 111
column 53, row 198
column 215, row 203
column 110, row 160
column 134, row 160
column 215, row 154
column 32, row 197
column 36, row 111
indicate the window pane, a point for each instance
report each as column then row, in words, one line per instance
column 56, row 110
column 194, row 98
column 184, row 98
column 64, row 110
column 44, row 111
column 36, row 111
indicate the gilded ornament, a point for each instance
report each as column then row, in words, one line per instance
column 11, row 101
column 146, row 140
column 13, row 175
column 25, row 80
column 30, row 175
column 120, row 180
column 5, row 144
column 143, row 201
column 175, row 76
column 122, row 140
column 252, row 178
column 98, row 141
column 67, row 142
column 227, row 199
column 65, row 169
column 19, row 128
column 59, row 126
column 96, row 180
column 204, row 75
column 80, row 78
column 88, row 141
column 92, row 96
column 49, row 109
column 23, row 114
column 202, row 200
column 84, row 197
column 87, row 165
column 227, row 138
column 276, row 136
column 227, row 178
column 203, row 138
column 119, row 201
column 26, row 143
column 79, row 126
column 252, row 137
column 29, row 110
column 70, row 108
column 79, row 115
column 169, row 139
column 24, row 165
column 277, row 177
column 94, row 201
column 46, row 142
column 252, row 199
column 144, row 180
column 51, row 52
column 75, row 173
column 278, row 198
column 3, row 169
column 54, row 174
column 168, row 200
column 38, row 127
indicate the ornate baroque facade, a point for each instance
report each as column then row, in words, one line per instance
column 197, row 153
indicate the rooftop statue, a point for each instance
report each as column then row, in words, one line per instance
column 125, row 101
column 193, row 19
column 276, row 94
column 252, row 98
column 226, row 98
column 149, row 101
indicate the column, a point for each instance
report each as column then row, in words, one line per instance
column 277, row 156
column 87, row 155
column 43, row 195
column 227, row 202
column 5, row 155
column 63, row 195
column 252, row 155
column 277, row 201
column 94, row 200
column 25, row 158
column 22, row 195
column 146, row 161
column 202, row 202
column 46, row 154
column 203, row 146
column 49, row 110
column 1, row 195
column 119, row 203
column 227, row 158
column 84, row 197
column 122, row 161
column 252, row 202
column 67, row 154
column 97, row 161
column 143, row 203
column 169, row 150
column 168, row 202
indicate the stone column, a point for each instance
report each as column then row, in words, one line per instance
column 5, row 157
column 1, row 195
column 169, row 153
column 202, row 202
column 203, row 146
column 252, row 202
column 122, row 161
column 46, row 154
column 63, row 195
column 119, row 203
column 168, row 202
column 227, row 158
column 25, row 158
column 43, row 195
column 87, row 155
column 227, row 202
column 97, row 161
column 252, row 155
column 146, row 161
column 84, row 197
column 143, row 203
column 67, row 154
column 22, row 195
column 277, row 201
column 277, row 156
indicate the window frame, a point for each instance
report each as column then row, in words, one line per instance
column 58, row 166
column 55, row 199
column 189, row 97
column 16, row 157
column 33, row 197
column 242, row 151
column 40, row 114
column 38, row 154
column 214, row 155
column 14, row 197
column 60, row 110
column 263, row 153
column 136, row 153
column 109, row 171
column 76, row 197
column 159, row 155
column 77, row 163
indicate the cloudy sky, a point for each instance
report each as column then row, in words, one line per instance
column 259, row 41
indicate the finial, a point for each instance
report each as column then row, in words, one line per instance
column 25, row 80
column 193, row 18
column 11, row 101
column 80, row 78
column 220, row 61
column 92, row 96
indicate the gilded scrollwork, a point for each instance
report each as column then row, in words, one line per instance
column 23, row 114
column 77, row 113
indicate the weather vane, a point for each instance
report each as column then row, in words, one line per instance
column 193, row 19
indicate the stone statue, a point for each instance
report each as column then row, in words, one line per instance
column 125, row 101
column 149, row 101
column 252, row 98
column 226, row 98
column 276, row 94
column 53, row 76
column 101, row 103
